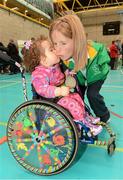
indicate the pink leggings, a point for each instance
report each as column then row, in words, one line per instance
column 74, row 104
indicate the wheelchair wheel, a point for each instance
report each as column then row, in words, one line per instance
column 42, row 137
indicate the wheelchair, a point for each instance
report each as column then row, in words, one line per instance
column 43, row 138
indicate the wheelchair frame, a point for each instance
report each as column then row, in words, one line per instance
column 43, row 138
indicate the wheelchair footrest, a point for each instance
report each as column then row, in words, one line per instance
column 84, row 141
column 86, row 137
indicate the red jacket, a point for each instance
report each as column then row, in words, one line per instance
column 113, row 51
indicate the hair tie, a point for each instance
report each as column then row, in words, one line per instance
column 27, row 44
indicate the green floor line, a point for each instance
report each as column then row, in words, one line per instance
column 3, row 124
column 9, row 85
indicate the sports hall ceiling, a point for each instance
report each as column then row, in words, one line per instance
column 80, row 7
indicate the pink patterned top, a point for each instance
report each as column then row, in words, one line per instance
column 45, row 80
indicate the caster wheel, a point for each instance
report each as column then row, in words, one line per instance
column 111, row 146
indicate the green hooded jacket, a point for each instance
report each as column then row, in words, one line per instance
column 97, row 67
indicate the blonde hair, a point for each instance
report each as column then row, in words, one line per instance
column 71, row 27
column 32, row 55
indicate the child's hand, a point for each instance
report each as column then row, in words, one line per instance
column 62, row 91
column 65, row 90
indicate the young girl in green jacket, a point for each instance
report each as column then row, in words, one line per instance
column 87, row 60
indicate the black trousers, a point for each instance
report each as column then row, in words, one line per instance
column 96, row 101
column 112, row 63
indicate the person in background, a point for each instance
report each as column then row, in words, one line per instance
column 122, row 52
column 4, row 65
column 14, row 54
column 88, row 60
column 118, row 63
column 47, row 80
column 113, row 52
column 119, row 46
